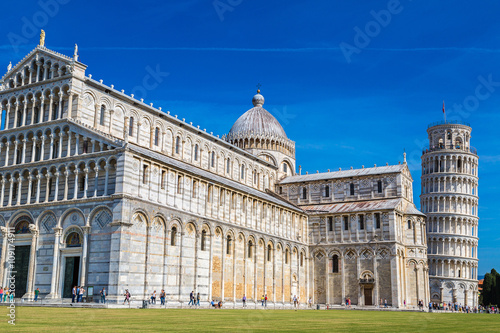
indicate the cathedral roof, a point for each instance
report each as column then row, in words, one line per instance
column 257, row 122
column 344, row 173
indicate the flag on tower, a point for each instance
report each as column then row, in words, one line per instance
column 443, row 108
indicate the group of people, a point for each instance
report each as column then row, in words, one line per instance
column 216, row 305
column 77, row 294
column 194, row 300
column 6, row 293
column 162, row 297
column 458, row 307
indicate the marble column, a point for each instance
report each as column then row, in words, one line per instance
column 7, row 146
column 55, row 263
column 32, row 264
column 66, row 179
column 83, row 275
column 19, row 189
column 38, row 185
column 75, row 193
column 106, row 179
column 56, row 191
column 2, row 197
column 30, row 184
column 86, row 186
column 96, row 181
column 23, row 154
column 51, row 105
column 4, row 254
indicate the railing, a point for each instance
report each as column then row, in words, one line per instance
column 428, row 149
column 450, row 122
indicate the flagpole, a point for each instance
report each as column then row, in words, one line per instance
column 444, row 112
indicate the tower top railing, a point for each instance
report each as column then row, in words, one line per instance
column 448, row 122
column 455, row 147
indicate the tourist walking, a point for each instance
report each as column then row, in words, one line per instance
column 153, row 297
column 80, row 294
column 127, row 297
column 295, row 301
column 1, row 294
column 191, row 298
column 385, row 303
column 244, row 300
column 103, row 295
column 76, row 290
column 310, row 302
column 265, row 301
column 198, row 299
column 37, row 291
column 162, row 297
column 262, row 300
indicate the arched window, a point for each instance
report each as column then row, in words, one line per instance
column 157, row 136
column 173, row 236
column 103, row 110
column 212, row 163
column 351, row 188
column 242, row 171
column 19, row 118
column 195, row 188
column 163, row 175
column 179, row 184
column 361, row 222
column 330, row 223
column 287, row 254
column 379, row 186
column 203, row 240
column 301, row 259
column 145, row 174
column 285, row 168
column 304, row 193
column 131, row 126
column 327, row 191
column 409, row 224
column 250, row 249
column 335, row 264
column 196, row 152
column 36, row 115
column 229, row 244
column 269, row 252
column 177, row 144
column 255, row 177
column 73, row 240
column 228, row 166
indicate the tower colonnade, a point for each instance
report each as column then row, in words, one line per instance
column 450, row 200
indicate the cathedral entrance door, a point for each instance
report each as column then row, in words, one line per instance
column 71, row 275
column 368, row 296
column 21, row 266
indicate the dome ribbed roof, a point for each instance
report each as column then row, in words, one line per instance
column 257, row 122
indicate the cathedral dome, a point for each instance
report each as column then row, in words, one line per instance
column 257, row 122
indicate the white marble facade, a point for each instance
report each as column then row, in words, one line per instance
column 103, row 190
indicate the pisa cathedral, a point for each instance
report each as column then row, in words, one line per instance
column 100, row 189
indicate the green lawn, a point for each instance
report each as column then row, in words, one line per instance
column 39, row 319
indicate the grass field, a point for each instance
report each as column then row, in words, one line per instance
column 39, row 319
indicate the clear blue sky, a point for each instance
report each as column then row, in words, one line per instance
column 346, row 98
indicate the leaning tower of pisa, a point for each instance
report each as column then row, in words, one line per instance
column 449, row 198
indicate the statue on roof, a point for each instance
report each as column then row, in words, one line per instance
column 42, row 38
column 9, row 67
column 75, row 54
